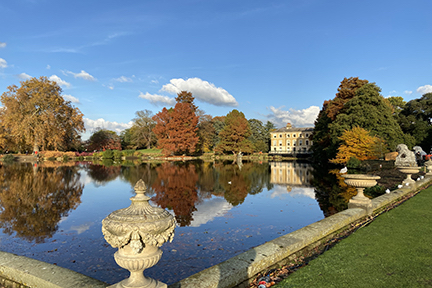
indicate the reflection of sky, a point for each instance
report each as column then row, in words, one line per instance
column 208, row 210
column 280, row 191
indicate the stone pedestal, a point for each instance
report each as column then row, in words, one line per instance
column 360, row 182
column 409, row 171
column 138, row 231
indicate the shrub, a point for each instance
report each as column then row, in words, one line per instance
column 137, row 154
column 353, row 163
column 52, row 158
column 128, row 152
column 66, row 158
column 108, row 154
column 374, row 191
column 117, row 154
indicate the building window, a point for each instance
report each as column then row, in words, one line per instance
column 274, row 143
column 294, row 143
column 288, row 149
column 274, row 135
column 288, row 136
column 300, row 135
column 307, row 135
column 280, row 142
column 301, row 142
column 307, row 142
column 288, row 142
column 280, row 135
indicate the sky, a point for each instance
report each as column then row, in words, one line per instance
column 272, row 60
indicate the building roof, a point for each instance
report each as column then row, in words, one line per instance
column 293, row 129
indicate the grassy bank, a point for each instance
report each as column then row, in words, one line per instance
column 395, row 250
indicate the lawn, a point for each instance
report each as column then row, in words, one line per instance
column 395, row 250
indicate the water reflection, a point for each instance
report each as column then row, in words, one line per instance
column 34, row 199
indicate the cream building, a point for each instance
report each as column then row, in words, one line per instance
column 292, row 174
column 290, row 140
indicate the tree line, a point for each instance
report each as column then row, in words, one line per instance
column 360, row 123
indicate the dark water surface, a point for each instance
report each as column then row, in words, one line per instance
column 53, row 213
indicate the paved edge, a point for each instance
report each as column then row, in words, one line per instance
column 241, row 269
column 37, row 274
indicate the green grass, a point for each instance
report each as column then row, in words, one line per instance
column 395, row 250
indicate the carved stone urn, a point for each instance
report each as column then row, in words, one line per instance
column 409, row 171
column 138, row 231
column 428, row 165
column 360, row 182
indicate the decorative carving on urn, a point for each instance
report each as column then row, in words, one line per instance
column 138, row 231
column 428, row 165
column 360, row 182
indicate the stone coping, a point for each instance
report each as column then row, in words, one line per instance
column 241, row 269
column 37, row 274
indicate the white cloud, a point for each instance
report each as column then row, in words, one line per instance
column 158, row 99
column 71, row 98
column 3, row 63
column 123, row 79
column 201, row 90
column 298, row 118
column 59, row 81
column 24, row 76
column 407, row 92
column 84, row 75
column 424, row 89
column 2, row 44
column 208, row 210
column 279, row 191
column 48, row 67
column 102, row 123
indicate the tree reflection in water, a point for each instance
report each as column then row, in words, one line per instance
column 34, row 199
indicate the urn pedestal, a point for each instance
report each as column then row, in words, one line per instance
column 428, row 165
column 360, row 182
column 138, row 231
column 409, row 171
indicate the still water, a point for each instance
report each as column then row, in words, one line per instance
column 53, row 213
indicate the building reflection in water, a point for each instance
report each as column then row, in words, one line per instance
column 291, row 174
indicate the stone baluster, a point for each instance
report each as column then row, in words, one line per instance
column 138, row 231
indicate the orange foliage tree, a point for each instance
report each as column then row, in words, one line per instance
column 176, row 129
column 358, row 143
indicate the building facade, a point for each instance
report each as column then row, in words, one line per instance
column 291, row 140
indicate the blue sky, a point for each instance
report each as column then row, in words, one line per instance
column 272, row 60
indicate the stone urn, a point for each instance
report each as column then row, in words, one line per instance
column 428, row 165
column 409, row 171
column 360, row 182
column 138, row 231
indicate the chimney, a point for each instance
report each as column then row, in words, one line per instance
column 288, row 126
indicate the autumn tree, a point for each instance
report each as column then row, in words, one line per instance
column 176, row 129
column 358, row 143
column 234, row 135
column 103, row 139
column 186, row 97
column 36, row 114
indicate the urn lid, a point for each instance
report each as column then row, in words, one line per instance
column 140, row 221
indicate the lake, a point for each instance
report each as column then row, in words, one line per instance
column 53, row 211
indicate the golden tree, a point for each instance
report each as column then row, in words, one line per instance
column 36, row 114
column 358, row 143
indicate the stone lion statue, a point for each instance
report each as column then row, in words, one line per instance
column 405, row 157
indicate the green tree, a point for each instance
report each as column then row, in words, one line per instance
column 206, row 133
column 103, row 139
column 234, row 135
column 142, row 129
column 36, row 114
column 370, row 111
column 259, row 135
column 415, row 119
column 397, row 103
